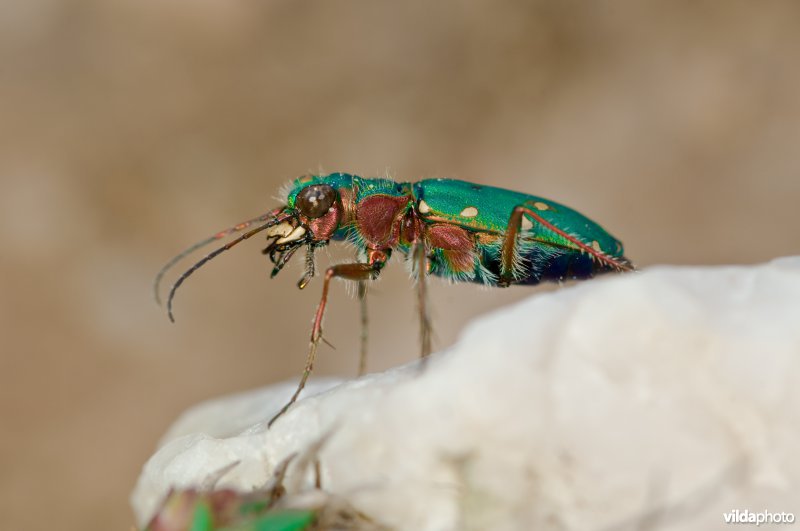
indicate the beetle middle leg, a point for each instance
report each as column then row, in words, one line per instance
column 355, row 271
column 362, row 354
column 421, row 266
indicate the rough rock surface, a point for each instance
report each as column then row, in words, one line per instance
column 656, row 400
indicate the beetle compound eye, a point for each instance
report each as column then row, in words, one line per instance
column 314, row 201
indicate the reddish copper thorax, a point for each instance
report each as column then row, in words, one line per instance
column 379, row 219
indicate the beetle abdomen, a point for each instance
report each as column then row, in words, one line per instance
column 535, row 263
column 544, row 263
column 555, row 242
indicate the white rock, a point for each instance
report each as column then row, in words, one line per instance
column 661, row 399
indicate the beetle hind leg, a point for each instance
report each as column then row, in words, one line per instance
column 509, row 254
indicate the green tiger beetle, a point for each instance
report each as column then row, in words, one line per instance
column 461, row 231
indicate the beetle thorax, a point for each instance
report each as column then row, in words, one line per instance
column 382, row 220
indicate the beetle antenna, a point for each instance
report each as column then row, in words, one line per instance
column 222, row 234
column 272, row 222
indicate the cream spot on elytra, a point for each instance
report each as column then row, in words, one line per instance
column 526, row 223
column 423, row 207
column 596, row 246
column 469, row 212
column 540, row 206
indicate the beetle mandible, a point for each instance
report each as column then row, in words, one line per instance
column 453, row 229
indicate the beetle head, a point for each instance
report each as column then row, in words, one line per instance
column 314, row 209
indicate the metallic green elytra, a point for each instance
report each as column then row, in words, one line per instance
column 461, row 231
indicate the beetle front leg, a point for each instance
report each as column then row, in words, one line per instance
column 357, row 271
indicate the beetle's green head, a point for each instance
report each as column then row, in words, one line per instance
column 301, row 188
column 314, row 211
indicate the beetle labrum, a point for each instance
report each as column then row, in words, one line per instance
column 453, row 229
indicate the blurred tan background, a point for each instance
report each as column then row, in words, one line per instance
column 132, row 128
